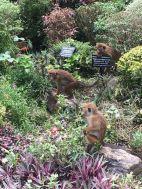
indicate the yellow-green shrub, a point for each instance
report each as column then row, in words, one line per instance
column 2, row 113
column 130, row 67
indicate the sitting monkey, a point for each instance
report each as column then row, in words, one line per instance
column 96, row 129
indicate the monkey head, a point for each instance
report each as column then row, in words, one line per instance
column 52, row 75
column 100, row 48
column 89, row 109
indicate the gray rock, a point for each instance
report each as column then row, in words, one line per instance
column 112, row 83
column 120, row 161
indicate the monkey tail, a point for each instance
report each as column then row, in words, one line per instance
column 86, row 85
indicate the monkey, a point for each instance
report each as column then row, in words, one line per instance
column 50, row 99
column 23, row 46
column 105, row 50
column 96, row 129
column 66, row 83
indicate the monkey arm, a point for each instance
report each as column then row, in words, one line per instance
column 59, row 88
column 92, row 135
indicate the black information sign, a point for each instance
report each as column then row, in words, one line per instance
column 102, row 62
column 67, row 52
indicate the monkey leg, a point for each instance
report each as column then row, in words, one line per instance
column 89, row 147
column 59, row 88
column 69, row 89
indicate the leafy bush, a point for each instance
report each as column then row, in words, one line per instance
column 137, row 140
column 10, row 25
column 67, row 3
column 122, row 30
column 130, row 67
column 80, row 59
column 17, row 110
column 31, row 16
column 87, row 15
column 26, row 74
column 60, row 24
column 128, row 181
column 2, row 113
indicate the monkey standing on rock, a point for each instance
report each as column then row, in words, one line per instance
column 66, row 83
column 96, row 129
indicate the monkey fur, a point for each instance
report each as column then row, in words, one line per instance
column 65, row 82
column 96, row 129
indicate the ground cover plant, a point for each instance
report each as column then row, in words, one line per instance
column 46, row 148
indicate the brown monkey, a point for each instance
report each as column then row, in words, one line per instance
column 50, row 99
column 66, row 83
column 95, row 131
column 105, row 50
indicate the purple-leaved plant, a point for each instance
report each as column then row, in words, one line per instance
column 89, row 173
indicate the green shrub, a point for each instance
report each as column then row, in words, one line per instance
column 26, row 73
column 10, row 25
column 2, row 113
column 137, row 140
column 130, row 78
column 123, row 29
column 17, row 110
column 80, row 59
column 31, row 16
column 130, row 68
column 87, row 15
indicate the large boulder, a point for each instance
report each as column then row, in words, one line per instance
column 120, row 161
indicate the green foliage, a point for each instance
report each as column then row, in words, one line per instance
column 2, row 113
column 127, row 181
column 26, row 73
column 11, row 158
column 43, row 150
column 67, row 149
column 136, row 141
column 130, row 67
column 31, row 16
column 87, row 15
column 68, row 145
column 123, row 29
column 10, row 25
column 82, row 58
column 17, row 110
column 5, row 61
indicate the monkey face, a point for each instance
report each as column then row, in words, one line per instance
column 100, row 48
column 89, row 109
column 52, row 75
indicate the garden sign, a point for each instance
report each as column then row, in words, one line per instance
column 102, row 62
column 67, row 52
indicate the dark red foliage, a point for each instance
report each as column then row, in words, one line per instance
column 88, row 172
column 60, row 24
column 10, row 141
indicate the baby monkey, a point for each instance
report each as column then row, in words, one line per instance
column 65, row 82
column 96, row 129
